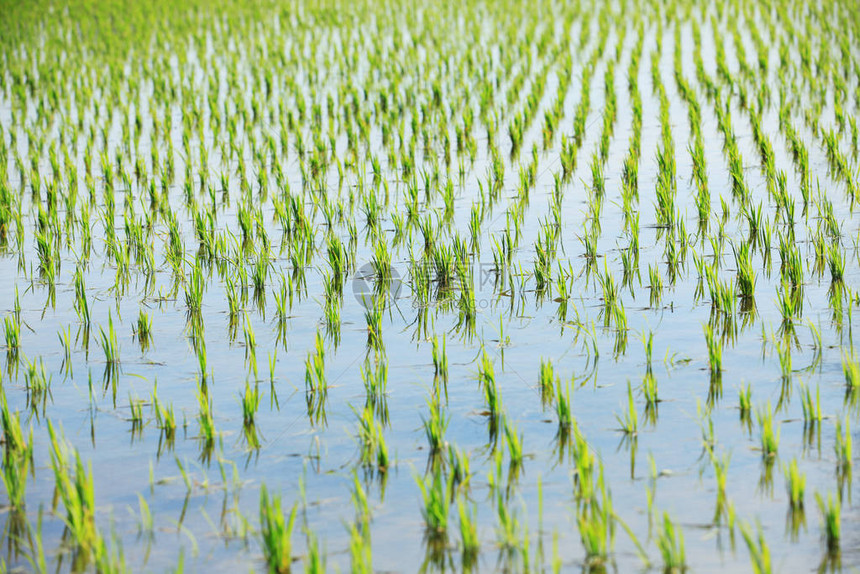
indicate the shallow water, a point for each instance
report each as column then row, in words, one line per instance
column 212, row 521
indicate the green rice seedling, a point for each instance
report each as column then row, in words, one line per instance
column 315, row 560
column 562, row 406
column 509, row 527
column 597, row 179
column 283, row 299
column 783, row 351
column 166, row 420
column 373, row 318
column 745, row 401
column 486, row 372
column 820, row 246
column 440, row 359
column 811, row 407
column 715, row 350
column 458, row 462
column 435, row 426
column 75, row 488
column 670, row 541
column 260, row 273
column 769, row 435
column 375, row 379
column 843, row 448
column 13, row 333
column 143, row 329
column 14, row 443
column 515, row 444
column 795, row 485
column 366, row 435
column 470, row 543
column 273, row 361
column 836, row 262
column 629, row 424
column 649, row 350
column 109, row 343
column 610, row 289
column 436, row 494
column 831, row 520
column 585, row 462
column 746, row 273
column 649, row 390
column 250, row 400
column 194, row 289
column 360, row 551
column 135, row 407
column 589, row 242
column 18, row 454
column 383, row 461
column 38, row 383
column 65, row 337
column 547, row 381
column 721, row 471
column 276, row 532
column 202, row 359
column 758, row 548
column 250, row 346
column 596, row 521
column 492, row 396
column 205, row 418
column 315, row 367
column 789, row 301
column 619, row 315
column 14, row 478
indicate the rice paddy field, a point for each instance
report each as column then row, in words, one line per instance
column 393, row 286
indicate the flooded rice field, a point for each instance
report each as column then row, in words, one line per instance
column 394, row 287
